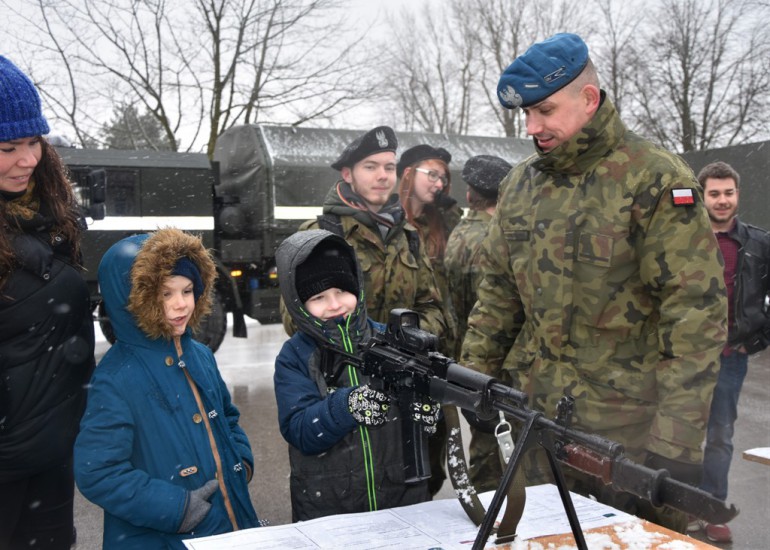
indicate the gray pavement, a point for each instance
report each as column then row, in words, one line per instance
column 247, row 367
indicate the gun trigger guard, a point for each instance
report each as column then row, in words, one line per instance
column 504, row 438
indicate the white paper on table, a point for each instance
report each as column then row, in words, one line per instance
column 440, row 524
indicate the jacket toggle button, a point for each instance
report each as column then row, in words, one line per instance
column 197, row 418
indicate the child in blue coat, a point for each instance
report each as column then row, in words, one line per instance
column 160, row 448
column 345, row 447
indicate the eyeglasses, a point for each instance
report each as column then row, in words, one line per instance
column 433, row 176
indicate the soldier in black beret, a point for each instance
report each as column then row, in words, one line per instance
column 377, row 140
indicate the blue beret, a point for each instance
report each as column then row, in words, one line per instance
column 376, row 140
column 419, row 153
column 545, row 68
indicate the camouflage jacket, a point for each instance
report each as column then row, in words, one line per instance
column 393, row 277
column 595, row 284
column 460, row 263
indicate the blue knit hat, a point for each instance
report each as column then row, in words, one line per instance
column 186, row 268
column 21, row 114
column 544, row 69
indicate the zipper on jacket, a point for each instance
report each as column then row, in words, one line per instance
column 366, row 444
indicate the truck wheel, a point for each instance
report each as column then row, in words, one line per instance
column 105, row 324
column 214, row 326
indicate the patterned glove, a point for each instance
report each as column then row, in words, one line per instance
column 425, row 411
column 368, row 406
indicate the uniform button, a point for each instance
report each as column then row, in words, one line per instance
column 46, row 276
column 197, row 418
column 541, row 226
column 169, row 361
column 539, row 291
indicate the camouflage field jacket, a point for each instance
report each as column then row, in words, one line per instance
column 596, row 284
column 460, row 262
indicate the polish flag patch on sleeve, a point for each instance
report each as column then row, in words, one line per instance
column 683, row 197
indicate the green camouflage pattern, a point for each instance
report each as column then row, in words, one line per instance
column 460, row 263
column 594, row 284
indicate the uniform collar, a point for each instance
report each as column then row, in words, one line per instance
column 585, row 149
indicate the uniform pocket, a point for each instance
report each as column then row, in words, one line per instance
column 596, row 249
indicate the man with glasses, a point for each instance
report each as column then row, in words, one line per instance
column 601, row 278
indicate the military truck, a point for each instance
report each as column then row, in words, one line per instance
column 263, row 182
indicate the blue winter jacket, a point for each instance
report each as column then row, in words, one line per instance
column 143, row 442
column 337, row 467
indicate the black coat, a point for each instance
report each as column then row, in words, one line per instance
column 752, row 286
column 46, row 356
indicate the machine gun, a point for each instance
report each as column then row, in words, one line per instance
column 404, row 357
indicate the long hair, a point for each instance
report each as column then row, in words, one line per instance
column 437, row 234
column 53, row 187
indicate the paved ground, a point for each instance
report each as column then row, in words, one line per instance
column 247, row 367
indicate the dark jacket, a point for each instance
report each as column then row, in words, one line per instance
column 752, row 285
column 336, row 466
column 46, row 356
column 144, row 444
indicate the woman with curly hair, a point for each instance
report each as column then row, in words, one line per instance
column 46, row 329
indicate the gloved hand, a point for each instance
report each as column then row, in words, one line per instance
column 425, row 411
column 197, row 505
column 685, row 472
column 368, row 406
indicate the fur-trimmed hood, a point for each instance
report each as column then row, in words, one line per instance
column 130, row 277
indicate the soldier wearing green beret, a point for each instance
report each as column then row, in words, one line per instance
column 601, row 278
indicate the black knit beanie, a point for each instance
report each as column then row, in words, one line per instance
column 326, row 267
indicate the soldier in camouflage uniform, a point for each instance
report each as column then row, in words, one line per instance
column 362, row 208
column 483, row 174
column 601, row 276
